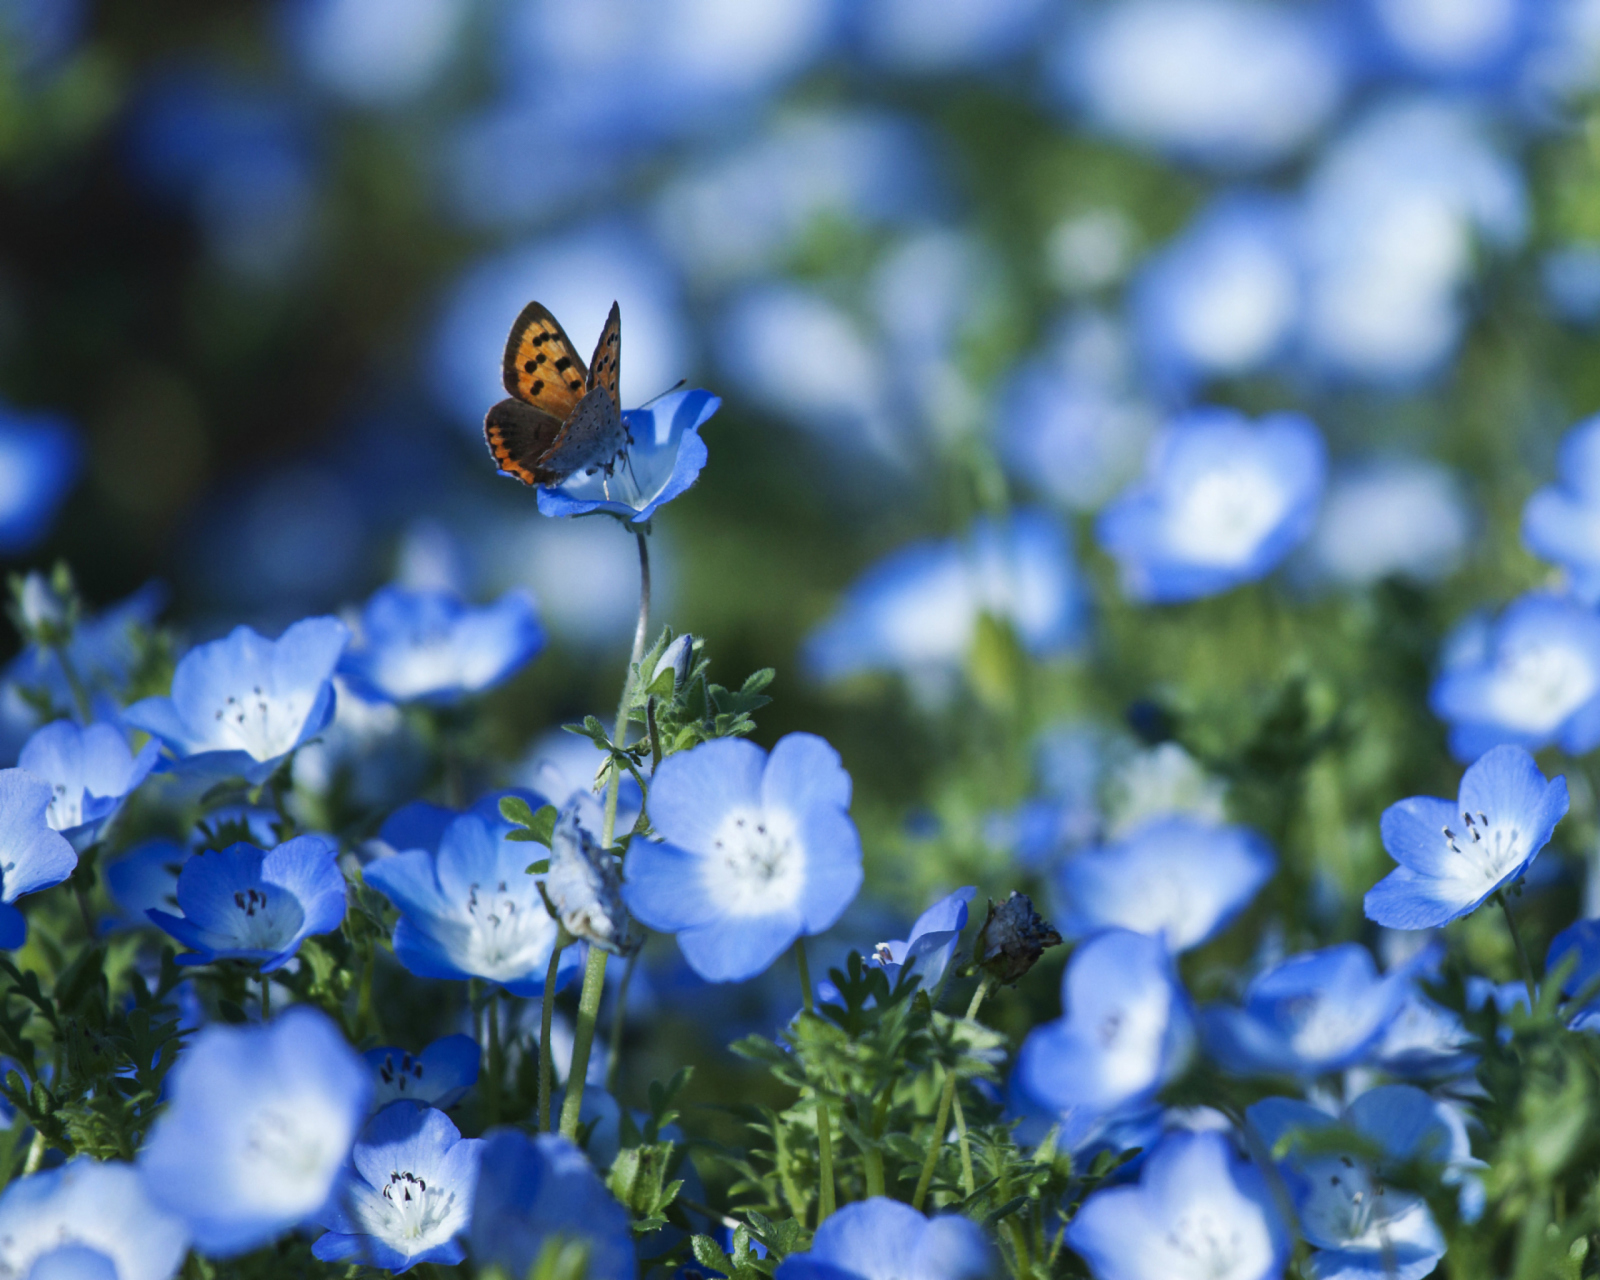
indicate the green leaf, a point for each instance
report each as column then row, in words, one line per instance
column 516, row 810
column 539, row 868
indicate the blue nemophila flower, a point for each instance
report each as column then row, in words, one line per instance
column 1361, row 1226
column 73, row 1262
column 881, row 1239
column 665, row 457
column 755, row 852
column 1198, row 1212
column 932, row 943
column 1126, row 1031
column 440, row 1075
column 917, row 610
column 103, row 1208
column 538, row 1194
column 1174, row 877
column 90, row 771
column 1579, row 945
column 1426, row 1041
column 259, row 1126
column 33, row 855
column 471, row 910
column 1398, row 517
column 1454, row 855
column 242, row 903
column 1314, row 1012
column 40, row 457
column 239, row 705
column 1222, row 502
column 1561, row 522
column 1531, row 677
column 408, row 1197
column 431, row 646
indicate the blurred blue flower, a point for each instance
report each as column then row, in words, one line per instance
column 258, row 1128
column 755, row 851
column 73, row 1262
column 1393, row 518
column 1223, row 298
column 665, row 457
column 33, row 855
column 933, row 940
column 879, row 1239
column 242, row 903
column 1530, row 677
column 1561, row 522
column 37, row 34
column 534, row 1192
column 40, row 458
column 577, row 276
column 1231, row 84
column 1454, row 856
column 1071, row 423
column 939, row 36
column 917, row 610
column 440, row 1075
column 239, row 705
column 1360, row 1225
column 1222, row 502
column 1425, row 1040
column 431, row 646
column 471, row 910
column 106, row 1208
column 1127, row 1030
column 1315, row 1012
column 1393, row 215
column 374, row 53
column 1462, row 43
column 90, row 771
column 1198, row 1212
column 1570, row 275
column 408, row 1196
column 240, row 157
column 146, row 878
column 1174, row 878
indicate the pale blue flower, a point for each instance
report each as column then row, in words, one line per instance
column 539, row 1193
column 1222, row 502
column 1316, row 1012
column 240, row 705
column 1454, row 855
column 90, row 771
column 1530, row 677
column 928, row 949
column 106, row 1208
column 440, row 1075
column 408, row 1197
column 40, row 458
column 1465, row 43
column 258, row 1129
column 242, row 903
column 1127, row 1030
column 33, row 856
column 433, row 647
column 1198, row 1212
column 942, row 36
column 375, row 53
column 1561, row 522
column 1402, row 518
column 881, row 1239
column 1175, row 878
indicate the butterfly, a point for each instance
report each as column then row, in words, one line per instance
column 562, row 418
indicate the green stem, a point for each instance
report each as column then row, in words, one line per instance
column 496, row 1068
column 547, row 1072
column 366, row 1023
column 80, row 695
column 594, row 972
column 825, row 1190
column 1522, row 952
column 969, row 1184
column 941, row 1119
column 618, row 1016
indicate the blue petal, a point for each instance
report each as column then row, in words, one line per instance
column 833, row 867
column 735, row 949
column 33, row 856
column 13, row 927
column 665, row 887
column 408, row 881
column 1403, row 899
column 695, row 790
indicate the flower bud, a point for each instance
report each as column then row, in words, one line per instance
column 677, row 657
column 584, row 888
column 1012, row 939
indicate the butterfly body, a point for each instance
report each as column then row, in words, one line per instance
column 562, row 418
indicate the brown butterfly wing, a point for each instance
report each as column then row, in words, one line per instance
column 541, row 366
column 521, row 437
column 605, row 370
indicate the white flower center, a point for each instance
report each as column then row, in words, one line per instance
column 504, row 935
column 264, row 727
column 293, row 1155
column 410, row 1210
column 1490, row 849
column 1206, row 1248
column 757, row 863
column 400, row 1077
column 1538, row 686
column 1320, row 1028
column 65, row 809
column 1224, row 514
column 263, row 919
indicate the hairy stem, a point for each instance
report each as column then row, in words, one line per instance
column 941, row 1119
column 547, row 1071
column 825, row 1190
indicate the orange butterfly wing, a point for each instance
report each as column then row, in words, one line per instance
column 521, row 437
column 541, row 367
column 605, row 369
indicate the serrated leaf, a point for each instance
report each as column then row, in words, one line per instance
column 516, row 810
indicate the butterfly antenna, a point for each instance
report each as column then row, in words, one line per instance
column 681, row 382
